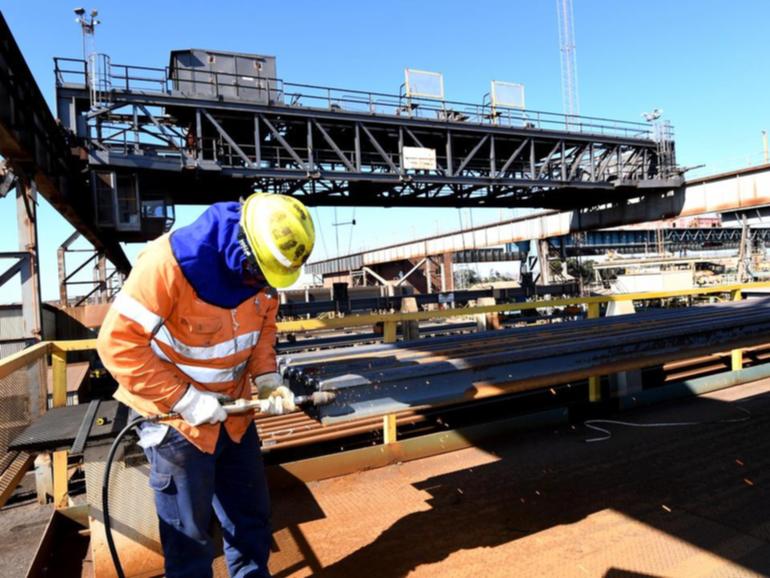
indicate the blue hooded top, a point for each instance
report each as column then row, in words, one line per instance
column 211, row 257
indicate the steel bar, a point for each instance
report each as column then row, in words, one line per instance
column 85, row 428
column 384, row 355
column 442, row 364
column 299, row 430
column 374, row 380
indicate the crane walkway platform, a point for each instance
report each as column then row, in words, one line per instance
column 673, row 501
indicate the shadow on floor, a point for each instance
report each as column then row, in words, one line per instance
column 702, row 484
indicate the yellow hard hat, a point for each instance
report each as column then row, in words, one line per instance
column 277, row 235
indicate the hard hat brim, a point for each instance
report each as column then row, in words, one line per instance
column 279, row 280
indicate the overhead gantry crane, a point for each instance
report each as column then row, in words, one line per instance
column 213, row 126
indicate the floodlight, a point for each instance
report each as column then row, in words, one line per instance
column 424, row 84
column 654, row 115
column 508, row 94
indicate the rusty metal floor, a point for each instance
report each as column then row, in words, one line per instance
column 689, row 502
column 22, row 526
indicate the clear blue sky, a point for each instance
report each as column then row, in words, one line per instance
column 703, row 62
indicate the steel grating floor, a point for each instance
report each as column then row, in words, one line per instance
column 686, row 502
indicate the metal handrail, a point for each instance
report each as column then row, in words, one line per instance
column 394, row 318
column 330, row 98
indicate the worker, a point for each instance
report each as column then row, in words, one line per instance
column 194, row 321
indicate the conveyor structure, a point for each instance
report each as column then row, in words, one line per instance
column 673, row 239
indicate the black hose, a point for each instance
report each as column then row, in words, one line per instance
column 106, row 494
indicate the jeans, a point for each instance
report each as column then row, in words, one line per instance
column 188, row 482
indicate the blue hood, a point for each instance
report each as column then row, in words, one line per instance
column 211, row 258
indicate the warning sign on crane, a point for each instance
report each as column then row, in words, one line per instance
column 419, row 158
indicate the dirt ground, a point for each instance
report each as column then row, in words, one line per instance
column 667, row 501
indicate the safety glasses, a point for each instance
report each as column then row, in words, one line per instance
column 250, row 265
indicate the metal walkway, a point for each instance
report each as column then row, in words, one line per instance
column 674, row 502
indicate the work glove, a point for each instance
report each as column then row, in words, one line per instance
column 198, row 407
column 279, row 398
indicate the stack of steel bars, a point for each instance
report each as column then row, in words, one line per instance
column 385, row 378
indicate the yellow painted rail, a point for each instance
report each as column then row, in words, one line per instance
column 371, row 319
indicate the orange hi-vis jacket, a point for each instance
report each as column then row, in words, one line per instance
column 159, row 337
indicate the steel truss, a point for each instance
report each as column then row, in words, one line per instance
column 634, row 240
column 330, row 152
column 35, row 150
column 102, row 288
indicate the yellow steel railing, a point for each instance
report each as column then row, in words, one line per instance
column 59, row 349
column 390, row 320
column 58, row 352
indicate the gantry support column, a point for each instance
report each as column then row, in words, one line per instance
column 37, row 374
column 61, row 254
column 447, row 273
column 101, row 272
column 545, row 266
column 26, row 215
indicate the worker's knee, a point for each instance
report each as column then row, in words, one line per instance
column 182, row 478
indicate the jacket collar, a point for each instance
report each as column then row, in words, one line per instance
column 211, row 258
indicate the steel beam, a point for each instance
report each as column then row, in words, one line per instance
column 26, row 214
column 227, row 137
column 9, row 273
column 279, row 137
column 378, row 147
column 340, row 155
column 412, row 270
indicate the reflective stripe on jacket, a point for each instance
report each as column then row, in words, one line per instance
column 159, row 336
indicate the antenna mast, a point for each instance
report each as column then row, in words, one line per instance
column 569, row 88
column 88, row 28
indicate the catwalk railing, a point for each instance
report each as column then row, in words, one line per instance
column 213, row 84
